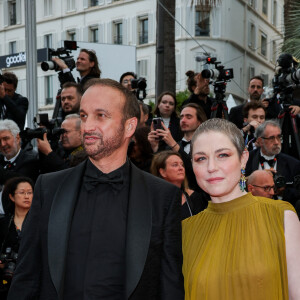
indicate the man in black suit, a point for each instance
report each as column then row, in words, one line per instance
column 13, row 106
column 104, row 229
column 14, row 161
column 268, row 156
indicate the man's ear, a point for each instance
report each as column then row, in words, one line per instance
column 130, row 127
column 250, row 188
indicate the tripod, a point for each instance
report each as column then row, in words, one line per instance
column 289, row 129
column 219, row 107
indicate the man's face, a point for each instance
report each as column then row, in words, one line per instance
column 70, row 100
column 83, row 63
column 262, row 186
column 188, row 120
column 71, row 138
column 126, row 82
column 255, row 89
column 9, row 89
column 9, row 145
column 203, row 86
column 258, row 115
column 103, row 130
column 270, row 142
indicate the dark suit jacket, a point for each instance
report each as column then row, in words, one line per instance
column 153, row 239
column 16, row 108
column 287, row 166
column 26, row 164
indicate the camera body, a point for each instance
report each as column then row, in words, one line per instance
column 140, row 86
column 9, row 258
column 219, row 73
column 63, row 53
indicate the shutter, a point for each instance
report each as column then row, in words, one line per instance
column 18, row 12
column 100, row 2
column 5, row 13
column 190, row 20
column 86, row 35
column 150, row 29
column 125, row 32
column 85, row 3
column 101, row 33
column 63, row 37
column 249, row 35
column 108, row 1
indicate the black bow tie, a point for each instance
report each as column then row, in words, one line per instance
column 271, row 162
column 184, row 143
column 115, row 180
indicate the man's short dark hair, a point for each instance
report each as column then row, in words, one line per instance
column 144, row 107
column 75, row 85
column 11, row 78
column 258, row 78
column 131, row 107
column 95, row 71
column 127, row 74
column 252, row 105
column 201, row 116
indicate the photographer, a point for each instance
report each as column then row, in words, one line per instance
column 69, row 154
column 126, row 78
column 17, row 198
column 13, row 106
column 254, row 115
column 86, row 64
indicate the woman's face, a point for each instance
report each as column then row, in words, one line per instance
column 174, row 171
column 217, row 166
column 23, row 195
column 166, row 106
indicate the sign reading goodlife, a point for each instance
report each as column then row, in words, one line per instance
column 19, row 59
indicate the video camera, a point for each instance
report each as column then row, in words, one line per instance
column 219, row 73
column 63, row 53
column 139, row 85
column 9, row 259
column 50, row 127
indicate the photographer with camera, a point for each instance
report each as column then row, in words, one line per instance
column 269, row 156
column 17, row 198
column 13, row 106
column 254, row 115
column 126, row 79
column 86, row 64
column 70, row 152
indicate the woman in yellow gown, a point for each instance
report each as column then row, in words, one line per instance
column 241, row 247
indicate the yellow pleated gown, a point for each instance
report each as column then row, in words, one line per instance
column 236, row 251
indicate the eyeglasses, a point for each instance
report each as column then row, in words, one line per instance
column 272, row 138
column 23, row 193
column 266, row 188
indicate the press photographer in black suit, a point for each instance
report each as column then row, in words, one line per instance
column 13, row 106
column 104, row 229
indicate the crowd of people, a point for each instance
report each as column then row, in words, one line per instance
column 135, row 203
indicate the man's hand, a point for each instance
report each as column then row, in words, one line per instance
column 166, row 135
column 265, row 103
column 2, row 91
column 295, row 109
column 62, row 65
column 253, row 123
column 43, row 145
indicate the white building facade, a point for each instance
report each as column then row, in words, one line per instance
column 243, row 34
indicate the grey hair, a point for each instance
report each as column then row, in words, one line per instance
column 225, row 127
column 74, row 116
column 11, row 126
column 260, row 130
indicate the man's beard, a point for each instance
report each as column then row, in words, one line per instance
column 255, row 96
column 104, row 147
column 273, row 151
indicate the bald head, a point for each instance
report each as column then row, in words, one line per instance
column 261, row 183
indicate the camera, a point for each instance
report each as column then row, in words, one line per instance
column 140, row 86
column 9, row 258
column 280, row 181
column 63, row 53
column 50, row 127
column 219, row 73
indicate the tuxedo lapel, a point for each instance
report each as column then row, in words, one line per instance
column 282, row 167
column 255, row 161
column 59, row 224
column 139, row 224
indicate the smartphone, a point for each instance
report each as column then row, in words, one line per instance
column 157, row 123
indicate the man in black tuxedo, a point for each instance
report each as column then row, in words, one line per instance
column 13, row 106
column 268, row 156
column 104, row 229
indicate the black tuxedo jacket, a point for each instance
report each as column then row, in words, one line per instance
column 26, row 164
column 153, row 238
column 287, row 166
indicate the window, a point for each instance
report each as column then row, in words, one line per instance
column 71, row 35
column 265, row 7
column 71, row 5
column 118, row 33
column 251, row 72
column 48, row 90
column 274, row 14
column 263, row 44
column 143, row 30
column 265, row 77
column 94, row 37
column 252, row 3
column 94, row 2
column 12, row 47
column 47, row 8
column 142, row 68
column 252, row 36
column 48, row 40
column 12, row 11
column 202, row 22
